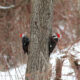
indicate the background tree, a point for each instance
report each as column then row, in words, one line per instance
column 13, row 22
column 15, row 19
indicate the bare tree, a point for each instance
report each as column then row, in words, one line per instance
column 41, row 28
column 13, row 22
column 59, row 64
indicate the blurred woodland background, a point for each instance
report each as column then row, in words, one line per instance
column 14, row 21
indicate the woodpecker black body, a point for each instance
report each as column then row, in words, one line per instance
column 25, row 44
column 52, row 43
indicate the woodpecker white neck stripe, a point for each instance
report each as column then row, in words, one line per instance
column 55, row 37
column 23, row 35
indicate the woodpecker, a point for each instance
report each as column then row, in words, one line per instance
column 53, row 40
column 25, row 42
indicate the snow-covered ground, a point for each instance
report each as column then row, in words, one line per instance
column 14, row 74
column 67, row 71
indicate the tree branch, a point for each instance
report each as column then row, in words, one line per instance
column 59, row 64
column 77, row 73
column 23, row 2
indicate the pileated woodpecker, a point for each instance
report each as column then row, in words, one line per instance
column 52, row 42
column 25, row 42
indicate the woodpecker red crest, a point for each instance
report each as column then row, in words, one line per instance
column 53, row 40
column 22, row 35
column 25, row 42
column 58, row 35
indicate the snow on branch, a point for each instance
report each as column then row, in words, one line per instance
column 6, row 7
column 23, row 2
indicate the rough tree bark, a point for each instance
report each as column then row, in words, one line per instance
column 59, row 64
column 78, row 30
column 41, row 29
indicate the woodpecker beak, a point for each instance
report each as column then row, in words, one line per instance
column 58, row 35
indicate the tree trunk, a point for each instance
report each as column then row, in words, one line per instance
column 73, row 65
column 78, row 29
column 59, row 64
column 41, row 29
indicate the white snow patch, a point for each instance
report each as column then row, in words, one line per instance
column 6, row 7
column 75, row 50
column 14, row 74
column 61, row 27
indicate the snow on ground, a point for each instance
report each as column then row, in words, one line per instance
column 67, row 71
column 14, row 74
